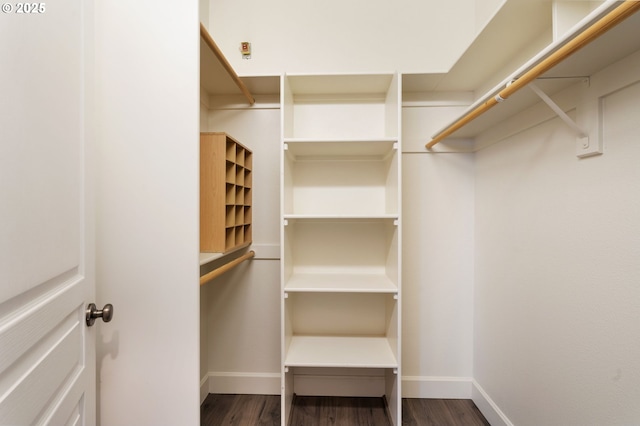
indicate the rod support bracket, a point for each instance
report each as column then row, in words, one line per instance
column 559, row 112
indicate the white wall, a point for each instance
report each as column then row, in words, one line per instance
column 485, row 9
column 557, row 249
column 437, row 272
column 242, row 307
column 343, row 36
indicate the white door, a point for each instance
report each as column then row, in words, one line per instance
column 99, row 179
column 47, row 355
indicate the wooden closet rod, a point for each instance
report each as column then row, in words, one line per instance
column 227, row 66
column 227, row 266
column 617, row 15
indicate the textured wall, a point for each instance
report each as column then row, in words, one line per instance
column 557, row 247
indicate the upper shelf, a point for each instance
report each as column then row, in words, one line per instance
column 615, row 44
column 219, row 79
column 216, row 74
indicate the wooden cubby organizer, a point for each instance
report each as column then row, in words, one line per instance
column 225, row 193
column 341, row 166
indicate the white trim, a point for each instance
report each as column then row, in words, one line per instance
column 244, row 383
column 436, row 387
column 488, row 407
column 204, row 388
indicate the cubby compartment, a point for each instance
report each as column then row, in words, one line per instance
column 231, row 172
column 341, row 106
column 352, row 178
column 341, row 255
column 240, row 172
column 341, row 330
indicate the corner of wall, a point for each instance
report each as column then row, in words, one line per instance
column 487, row 407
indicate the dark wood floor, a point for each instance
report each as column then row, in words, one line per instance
column 336, row 411
column 264, row 410
column 240, row 410
column 441, row 412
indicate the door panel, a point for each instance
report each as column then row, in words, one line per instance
column 147, row 195
column 47, row 361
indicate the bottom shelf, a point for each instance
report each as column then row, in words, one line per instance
column 340, row 351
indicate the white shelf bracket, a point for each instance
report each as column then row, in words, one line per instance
column 286, row 295
column 584, row 146
column 559, row 112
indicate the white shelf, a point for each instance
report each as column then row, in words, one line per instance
column 372, row 148
column 615, row 44
column 332, row 107
column 209, row 257
column 342, row 84
column 340, row 351
column 319, row 181
column 343, row 246
column 341, row 217
column 340, row 283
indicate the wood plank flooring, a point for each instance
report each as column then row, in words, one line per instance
column 264, row 410
column 240, row 410
column 441, row 412
column 338, row 411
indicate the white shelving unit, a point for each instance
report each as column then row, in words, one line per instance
column 341, row 235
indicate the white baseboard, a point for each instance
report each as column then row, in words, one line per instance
column 412, row 386
column 436, row 387
column 204, row 388
column 488, row 408
column 241, row 383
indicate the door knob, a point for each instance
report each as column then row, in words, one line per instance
column 105, row 313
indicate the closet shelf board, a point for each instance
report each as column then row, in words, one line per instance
column 340, row 283
column 340, row 351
